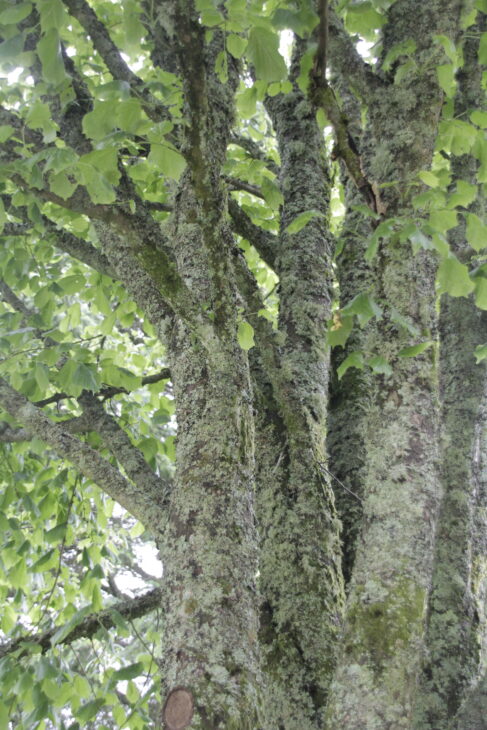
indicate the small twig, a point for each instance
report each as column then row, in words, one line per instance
column 338, row 481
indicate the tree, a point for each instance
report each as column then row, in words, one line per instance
column 279, row 255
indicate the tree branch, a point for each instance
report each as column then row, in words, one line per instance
column 236, row 184
column 255, row 151
column 112, row 57
column 345, row 60
column 148, row 508
column 128, row 609
column 264, row 242
column 109, row 391
column 64, row 240
column 121, row 447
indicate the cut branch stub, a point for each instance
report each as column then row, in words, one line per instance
column 178, row 709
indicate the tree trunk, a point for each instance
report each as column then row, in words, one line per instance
column 376, row 678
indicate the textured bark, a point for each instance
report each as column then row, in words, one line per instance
column 456, row 624
column 300, row 571
column 210, row 653
column 345, row 438
column 377, row 673
column 144, row 506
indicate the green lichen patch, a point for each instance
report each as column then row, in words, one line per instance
column 379, row 630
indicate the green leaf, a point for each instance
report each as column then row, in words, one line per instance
column 72, row 284
column 85, row 377
column 363, row 19
column 18, row 574
column 419, row 240
column 168, row 160
column 129, row 672
column 272, row 194
column 302, row 220
column 49, row 51
column 446, row 78
column 56, row 534
column 98, row 186
column 52, row 12
column 476, row 232
column 128, row 115
column 364, row 307
column 442, row 220
column 464, row 195
column 236, row 45
column 99, row 122
column 6, row 131
column 39, row 117
column 453, row 278
column 354, row 360
column 61, row 185
column 479, row 118
column 448, row 47
column 414, row 350
column 406, row 48
column 15, row 14
column 480, row 353
column 247, row 102
column 339, row 329
column 105, row 160
column 245, row 335
column 379, row 365
column 41, row 375
column 263, row 53
column 302, row 21
column 383, row 230
column 89, row 710
column 429, row 178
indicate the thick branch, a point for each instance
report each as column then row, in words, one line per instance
column 345, row 60
column 128, row 609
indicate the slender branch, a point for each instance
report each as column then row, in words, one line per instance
column 320, row 59
column 62, row 239
column 236, row 184
column 128, row 609
column 9, row 435
column 255, row 151
column 120, row 445
column 322, row 95
column 112, row 57
column 146, row 261
column 264, row 242
column 145, row 507
column 109, row 391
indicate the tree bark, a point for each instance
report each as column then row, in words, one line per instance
column 380, row 654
